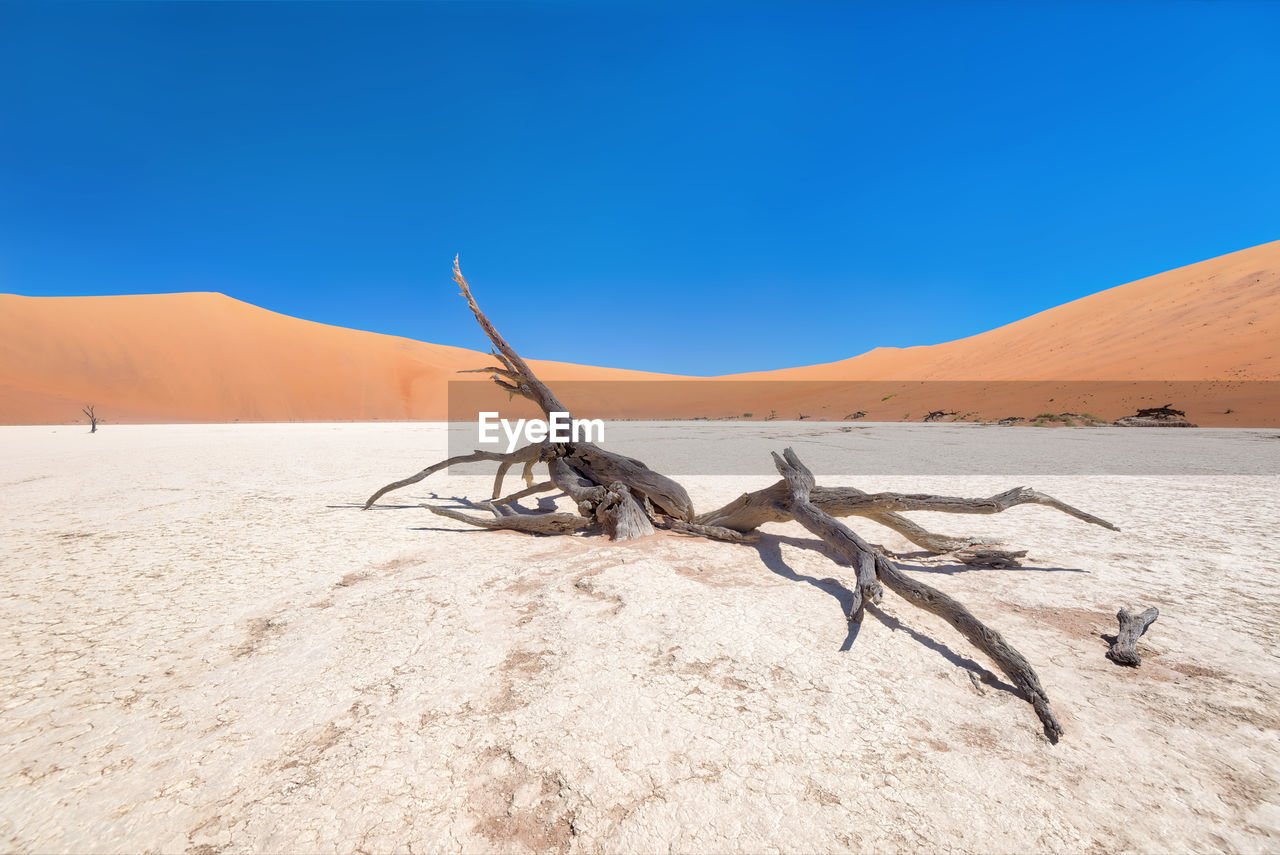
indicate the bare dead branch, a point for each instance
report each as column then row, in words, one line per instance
column 527, row 383
column 527, row 523
column 505, row 372
column 532, row 490
column 714, row 532
column 527, row 454
column 772, row 504
column 982, row 555
column 858, row 553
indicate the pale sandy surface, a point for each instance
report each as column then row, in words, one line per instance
column 207, row 648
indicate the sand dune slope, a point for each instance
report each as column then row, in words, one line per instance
column 1215, row 320
column 1201, row 337
column 203, row 357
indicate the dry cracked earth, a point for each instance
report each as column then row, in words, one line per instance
column 207, row 648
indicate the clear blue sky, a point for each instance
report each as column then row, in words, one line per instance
column 724, row 186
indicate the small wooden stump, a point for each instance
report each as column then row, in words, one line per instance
column 1124, row 651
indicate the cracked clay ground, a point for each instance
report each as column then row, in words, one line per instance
column 205, row 647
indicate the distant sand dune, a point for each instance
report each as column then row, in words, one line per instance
column 1215, row 320
column 204, row 357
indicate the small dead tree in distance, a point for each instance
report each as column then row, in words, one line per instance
column 625, row 499
column 93, row 419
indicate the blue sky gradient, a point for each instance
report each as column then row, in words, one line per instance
column 738, row 186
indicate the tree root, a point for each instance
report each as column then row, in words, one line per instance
column 860, row 554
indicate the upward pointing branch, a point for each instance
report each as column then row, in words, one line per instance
column 526, row 382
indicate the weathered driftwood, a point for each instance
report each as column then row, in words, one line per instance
column 526, row 472
column 714, row 532
column 988, row 556
column 1132, row 627
column 527, row 523
column 871, row 564
column 589, row 460
column 772, row 504
column 624, row 498
column 604, row 467
column 528, row 455
column 540, row 487
column 613, row 506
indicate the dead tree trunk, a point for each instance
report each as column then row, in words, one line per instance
column 1132, row 627
column 627, row 485
column 93, row 419
column 613, row 507
column 624, row 499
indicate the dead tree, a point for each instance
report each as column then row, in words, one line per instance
column 613, row 489
column 623, row 498
column 1124, row 651
column 1165, row 416
column 93, row 419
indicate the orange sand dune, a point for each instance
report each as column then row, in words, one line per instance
column 1200, row 337
column 208, row 358
column 1215, row 320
